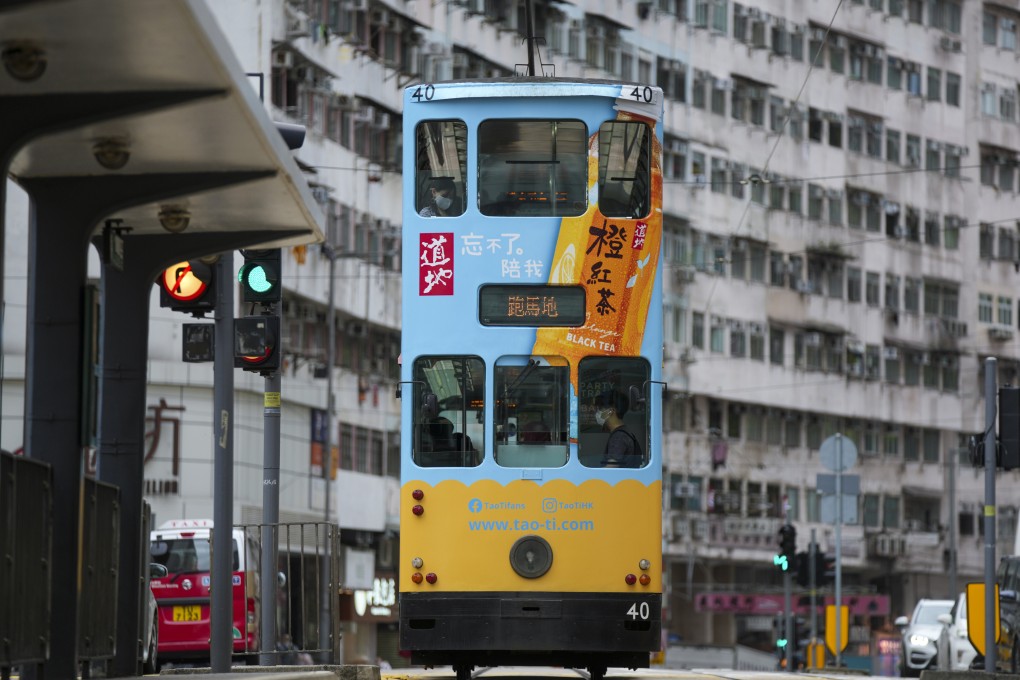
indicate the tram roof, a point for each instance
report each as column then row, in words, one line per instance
column 188, row 109
column 534, row 81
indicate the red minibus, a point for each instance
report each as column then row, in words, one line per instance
column 182, row 548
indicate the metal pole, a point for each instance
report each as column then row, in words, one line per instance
column 221, row 639
column 788, row 633
column 839, row 549
column 270, row 514
column 990, row 411
column 325, row 617
column 327, row 455
column 954, row 457
column 813, row 584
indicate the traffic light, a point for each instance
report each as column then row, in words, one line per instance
column 257, row 343
column 779, row 631
column 803, row 577
column 825, row 569
column 1008, row 453
column 188, row 287
column 787, row 555
column 260, row 276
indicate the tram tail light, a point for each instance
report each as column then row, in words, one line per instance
column 416, row 577
column 418, row 510
column 631, row 579
column 645, row 579
column 431, row 577
column 417, row 494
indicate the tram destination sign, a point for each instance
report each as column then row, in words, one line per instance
column 531, row 305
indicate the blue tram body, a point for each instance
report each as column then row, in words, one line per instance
column 531, row 498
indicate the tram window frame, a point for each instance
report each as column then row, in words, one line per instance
column 532, row 416
column 624, row 381
column 625, row 182
column 429, row 168
column 460, row 401
column 518, row 192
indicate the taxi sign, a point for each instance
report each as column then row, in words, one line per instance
column 976, row 615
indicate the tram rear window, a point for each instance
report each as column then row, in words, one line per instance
column 448, row 406
column 440, row 160
column 532, row 167
column 625, row 153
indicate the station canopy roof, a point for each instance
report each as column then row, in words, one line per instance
column 195, row 112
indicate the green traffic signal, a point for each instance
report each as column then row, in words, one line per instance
column 260, row 276
column 781, row 561
column 256, row 278
column 781, row 643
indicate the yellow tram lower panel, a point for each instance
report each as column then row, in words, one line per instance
column 599, row 534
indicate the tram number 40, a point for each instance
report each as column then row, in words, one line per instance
column 642, row 94
column 639, row 611
column 426, row 92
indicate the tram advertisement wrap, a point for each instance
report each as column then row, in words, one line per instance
column 617, row 258
column 469, row 529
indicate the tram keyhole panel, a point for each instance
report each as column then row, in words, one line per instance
column 531, row 556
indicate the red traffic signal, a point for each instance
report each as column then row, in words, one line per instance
column 188, row 287
column 257, row 343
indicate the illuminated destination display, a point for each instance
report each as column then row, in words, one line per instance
column 531, row 305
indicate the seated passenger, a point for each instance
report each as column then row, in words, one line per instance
column 441, row 439
column 534, row 432
column 622, row 448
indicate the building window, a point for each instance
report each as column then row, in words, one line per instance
column 912, row 295
column 777, row 340
column 985, row 308
column 698, row 330
column 931, row 229
column 853, row 284
column 1005, row 311
column 951, row 232
column 892, row 145
column 894, row 73
column 871, row 289
column 934, row 84
column 986, row 241
column 891, row 512
column 989, row 28
column 717, row 335
column 952, row 88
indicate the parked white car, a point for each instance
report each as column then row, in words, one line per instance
column 955, row 652
column 920, row 635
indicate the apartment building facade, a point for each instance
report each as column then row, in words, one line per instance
column 841, row 247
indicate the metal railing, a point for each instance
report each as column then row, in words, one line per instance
column 100, row 540
column 308, row 572
column 26, row 548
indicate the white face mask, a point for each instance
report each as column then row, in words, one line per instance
column 443, row 202
column 601, row 417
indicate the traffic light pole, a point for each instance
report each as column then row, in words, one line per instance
column 813, row 586
column 990, row 467
column 270, row 514
column 789, row 631
column 221, row 639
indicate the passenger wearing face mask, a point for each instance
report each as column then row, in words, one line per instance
column 622, row 447
column 443, row 201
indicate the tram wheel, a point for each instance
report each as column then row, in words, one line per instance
column 596, row 672
column 463, row 672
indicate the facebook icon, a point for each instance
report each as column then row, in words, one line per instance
column 475, row 505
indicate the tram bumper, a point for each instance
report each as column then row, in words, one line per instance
column 569, row 629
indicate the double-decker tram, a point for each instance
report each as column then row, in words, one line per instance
column 530, row 521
